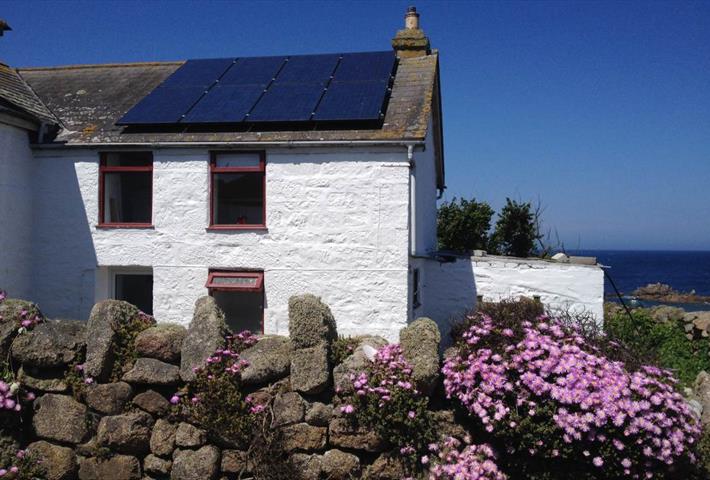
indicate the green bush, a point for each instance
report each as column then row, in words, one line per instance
column 463, row 225
column 517, row 230
column 661, row 343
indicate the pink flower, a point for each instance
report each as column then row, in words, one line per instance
column 598, row 462
column 174, row 399
column 411, row 414
column 347, row 409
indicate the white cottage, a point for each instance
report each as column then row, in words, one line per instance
column 249, row 179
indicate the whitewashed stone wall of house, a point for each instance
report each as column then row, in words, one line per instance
column 451, row 289
column 426, row 193
column 15, row 211
column 337, row 227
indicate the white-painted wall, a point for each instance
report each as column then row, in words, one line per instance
column 16, row 191
column 337, row 227
column 451, row 289
column 425, row 207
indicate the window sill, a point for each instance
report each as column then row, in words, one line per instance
column 220, row 228
column 109, row 226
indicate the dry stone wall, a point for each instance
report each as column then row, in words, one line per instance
column 103, row 396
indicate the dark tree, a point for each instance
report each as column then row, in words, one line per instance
column 463, row 225
column 517, row 230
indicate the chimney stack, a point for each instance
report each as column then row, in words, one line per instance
column 4, row 27
column 411, row 42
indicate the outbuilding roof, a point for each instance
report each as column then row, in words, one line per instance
column 89, row 99
column 17, row 97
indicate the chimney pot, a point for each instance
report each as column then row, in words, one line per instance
column 411, row 19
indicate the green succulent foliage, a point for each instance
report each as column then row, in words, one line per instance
column 463, row 225
column 342, row 348
column 662, row 343
column 124, row 346
column 221, row 406
column 516, row 232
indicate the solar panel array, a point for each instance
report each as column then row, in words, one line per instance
column 303, row 88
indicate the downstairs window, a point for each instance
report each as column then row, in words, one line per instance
column 240, row 295
column 134, row 288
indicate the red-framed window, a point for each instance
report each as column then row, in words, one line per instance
column 126, row 189
column 237, row 190
column 240, row 295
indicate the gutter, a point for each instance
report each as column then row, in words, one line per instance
column 227, row 144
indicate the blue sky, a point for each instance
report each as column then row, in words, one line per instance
column 599, row 109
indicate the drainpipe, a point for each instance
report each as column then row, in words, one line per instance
column 412, row 200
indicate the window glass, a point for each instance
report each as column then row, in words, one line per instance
column 241, row 159
column 127, row 197
column 129, row 159
column 136, row 289
column 248, row 282
column 242, row 310
column 238, row 198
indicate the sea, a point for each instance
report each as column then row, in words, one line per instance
column 685, row 271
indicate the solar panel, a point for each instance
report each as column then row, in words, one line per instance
column 297, row 89
column 365, row 66
column 289, row 102
column 301, row 88
column 199, row 72
column 308, row 69
column 253, row 71
column 352, row 101
column 172, row 98
column 165, row 104
column 224, row 104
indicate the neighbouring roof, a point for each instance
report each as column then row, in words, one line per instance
column 89, row 99
column 17, row 97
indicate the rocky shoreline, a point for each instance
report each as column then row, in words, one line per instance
column 662, row 293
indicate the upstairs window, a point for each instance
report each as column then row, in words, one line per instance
column 240, row 295
column 237, row 186
column 126, row 189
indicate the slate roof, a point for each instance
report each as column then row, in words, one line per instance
column 89, row 99
column 17, row 97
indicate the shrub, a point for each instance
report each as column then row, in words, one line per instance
column 661, row 343
column 517, row 230
column 471, row 462
column 386, row 400
column 555, row 403
column 463, row 225
column 215, row 400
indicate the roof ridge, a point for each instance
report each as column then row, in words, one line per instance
column 102, row 65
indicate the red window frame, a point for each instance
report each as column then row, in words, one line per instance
column 257, row 288
column 214, row 169
column 103, row 170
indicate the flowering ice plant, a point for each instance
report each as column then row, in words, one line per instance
column 215, row 399
column 20, row 465
column 456, row 460
column 547, row 394
column 385, row 398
